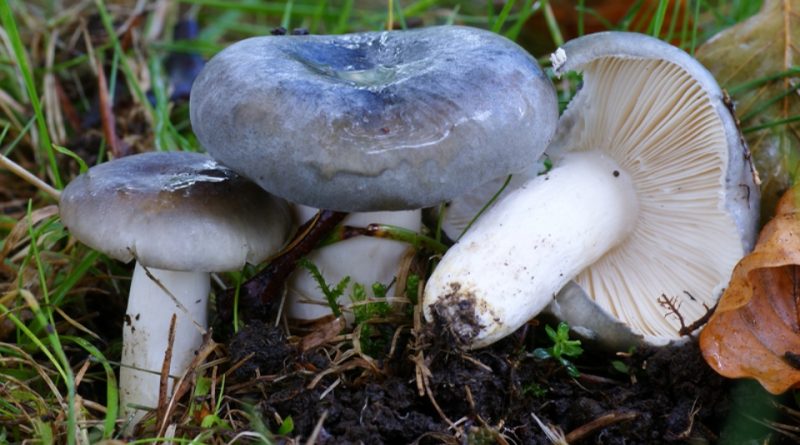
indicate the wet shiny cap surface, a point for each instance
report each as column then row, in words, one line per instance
column 175, row 210
column 374, row 121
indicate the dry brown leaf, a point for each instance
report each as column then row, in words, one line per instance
column 754, row 331
column 762, row 47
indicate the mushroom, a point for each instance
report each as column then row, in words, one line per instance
column 366, row 260
column 180, row 216
column 393, row 120
column 652, row 198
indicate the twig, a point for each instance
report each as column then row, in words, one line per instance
column 312, row 439
column 603, row 421
column 477, row 363
column 686, row 433
column 182, row 385
column 436, row 406
column 323, row 333
column 552, row 432
column 107, row 116
column 686, row 330
column 169, row 293
column 672, row 305
column 163, row 383
column 330, row 388
column 29, row 177
column 257, row 294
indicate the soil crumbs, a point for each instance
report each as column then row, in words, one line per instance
column 500, row 394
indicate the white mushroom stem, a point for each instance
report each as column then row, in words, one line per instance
column 522, row 251
column 366, row 260
column 146, row 331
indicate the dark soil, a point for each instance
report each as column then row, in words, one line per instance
column 666, row 395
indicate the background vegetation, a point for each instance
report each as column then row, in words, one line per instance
column 84, row 81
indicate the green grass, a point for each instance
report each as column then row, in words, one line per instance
column 47, row 280
column 21, row 60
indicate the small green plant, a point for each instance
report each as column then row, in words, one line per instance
column 261, row 431
column 483, row 435
column 620, row 366
column 412, row 288
column 287, row 426
column 332, row 294
column 562, row 348
column 213, row 419
column 365, row 310
column 534, row 389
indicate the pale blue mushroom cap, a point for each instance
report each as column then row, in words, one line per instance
column 374, row 121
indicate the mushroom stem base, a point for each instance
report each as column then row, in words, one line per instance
column 146, row 332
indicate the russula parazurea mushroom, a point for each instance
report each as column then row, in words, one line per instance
column 181, row 215
column 366, row 260
column 393, row 120
column 652, row 193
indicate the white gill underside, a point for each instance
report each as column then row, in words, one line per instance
column 684, row 242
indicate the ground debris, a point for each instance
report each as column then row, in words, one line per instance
column 669, row 395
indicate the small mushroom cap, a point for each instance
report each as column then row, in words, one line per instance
column 389, row 120
column 174, row 210
column 662, row 116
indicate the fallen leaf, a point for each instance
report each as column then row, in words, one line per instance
column 751, row 60
column 754, row 331
column 603, row 15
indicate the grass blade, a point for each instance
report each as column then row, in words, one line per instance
column 658, row 19
column 503, row 16
column 7, row 18
column 112, row 394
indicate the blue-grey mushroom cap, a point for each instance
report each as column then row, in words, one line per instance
column 374, row 121
column 178, row 211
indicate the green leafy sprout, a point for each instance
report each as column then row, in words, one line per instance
column 331, row 294
column 562, row 348
column 366, row 309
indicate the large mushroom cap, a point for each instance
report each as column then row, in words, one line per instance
column 375, row 121
column 661, row 116
column 177, row 211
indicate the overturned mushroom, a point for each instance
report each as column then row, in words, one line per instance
column 652, row 196
column 181, row 216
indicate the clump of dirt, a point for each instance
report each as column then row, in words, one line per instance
column 457, row 315
column 261, row 349
column 439, row 394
